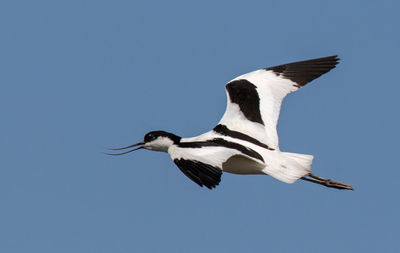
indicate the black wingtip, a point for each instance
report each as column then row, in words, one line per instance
column 303, row 72
column 201, row 173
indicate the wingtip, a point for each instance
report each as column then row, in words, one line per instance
column 303, row 72
column 334, row 58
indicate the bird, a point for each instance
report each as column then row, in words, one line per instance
column 245, row 141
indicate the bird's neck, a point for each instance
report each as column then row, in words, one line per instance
column 174, row 138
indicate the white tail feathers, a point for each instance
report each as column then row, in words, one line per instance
column 290, row 167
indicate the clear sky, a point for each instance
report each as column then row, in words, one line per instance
column 78, row 76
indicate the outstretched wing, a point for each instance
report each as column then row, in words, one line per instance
column 204, row 161
column 254, row 99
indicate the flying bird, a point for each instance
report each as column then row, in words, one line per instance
column 245, row 141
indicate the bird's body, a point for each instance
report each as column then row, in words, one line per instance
column 246, row 141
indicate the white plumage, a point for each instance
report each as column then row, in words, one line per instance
column 272, row 89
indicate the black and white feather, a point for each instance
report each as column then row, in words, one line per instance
column 245, row 141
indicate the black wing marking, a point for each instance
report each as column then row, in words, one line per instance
column 219, row 142
column 244, row 94
column 303, row 72
column 200, row 173
column 224, row 130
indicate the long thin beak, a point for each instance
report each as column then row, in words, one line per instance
column 126, row 152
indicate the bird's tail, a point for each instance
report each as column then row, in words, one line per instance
column 290, row 168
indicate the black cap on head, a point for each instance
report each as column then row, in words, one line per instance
column 151, row 136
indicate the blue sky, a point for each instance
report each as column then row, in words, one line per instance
column 78, row 76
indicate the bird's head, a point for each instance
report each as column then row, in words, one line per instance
column 155, row 140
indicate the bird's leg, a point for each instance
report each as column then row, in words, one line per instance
column 327, row 182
